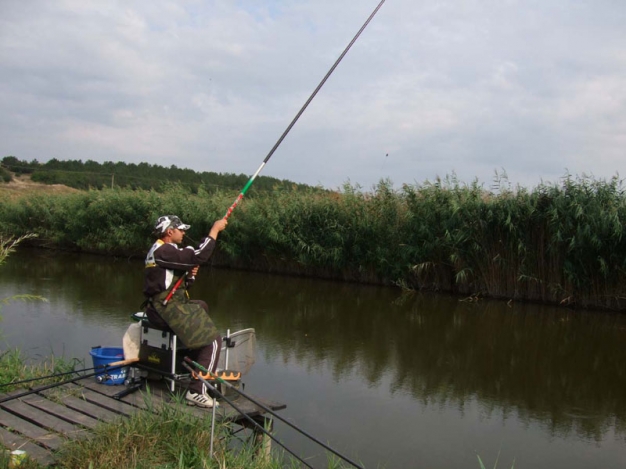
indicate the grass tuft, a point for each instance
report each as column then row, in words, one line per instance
column 15, row 368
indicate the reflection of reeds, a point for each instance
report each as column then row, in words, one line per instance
column 539, row 364
column 559, row 368
column 559, row 243
column 556, row 367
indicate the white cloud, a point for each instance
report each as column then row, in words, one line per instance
column 465, row 86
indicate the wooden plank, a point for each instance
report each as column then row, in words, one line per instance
column 238, row 400
column 43, row 419
column 119, row 407
column 104, row 389
column 87, row 408
column 59, row 411
column 11, row 441
column 242, row 404
column 249, row 407
column 271, row 404
column 156, row 395
column 72, row 396
column 29, row 430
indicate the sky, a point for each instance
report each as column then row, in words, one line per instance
column 534, row 89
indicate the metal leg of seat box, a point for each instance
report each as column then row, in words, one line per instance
column 173, row 346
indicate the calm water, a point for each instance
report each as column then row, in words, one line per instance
column 422, row 381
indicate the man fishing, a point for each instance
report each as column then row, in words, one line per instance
column 168, row 305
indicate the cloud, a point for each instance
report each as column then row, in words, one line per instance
column 464, row 86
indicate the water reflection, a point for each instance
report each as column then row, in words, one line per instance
column 532, row 364
column 561, row 367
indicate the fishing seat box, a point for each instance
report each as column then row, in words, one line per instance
column 160, row 350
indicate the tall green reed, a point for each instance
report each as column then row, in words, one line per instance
column 556, row 243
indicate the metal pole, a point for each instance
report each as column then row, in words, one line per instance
column 227, row 347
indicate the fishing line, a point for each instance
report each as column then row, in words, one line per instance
column 269, row 411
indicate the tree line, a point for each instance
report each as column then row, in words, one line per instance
column 95, row 175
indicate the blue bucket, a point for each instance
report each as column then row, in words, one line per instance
column 103, row 356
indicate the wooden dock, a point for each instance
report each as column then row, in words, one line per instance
column 41, row 422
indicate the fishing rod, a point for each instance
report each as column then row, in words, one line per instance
column 54, row 375
column 284, row 134
column 110, row 366
column 43, row 388
column 271, row 412
column 306, row 104
column 250, row 419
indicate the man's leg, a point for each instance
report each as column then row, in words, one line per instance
column 208, row 357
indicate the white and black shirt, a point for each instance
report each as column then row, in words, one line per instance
column 166, row 261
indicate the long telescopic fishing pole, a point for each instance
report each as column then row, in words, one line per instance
column 295, row 119
column 43, row 388
column 282, row 137
column 105, row 367
column 40, row 378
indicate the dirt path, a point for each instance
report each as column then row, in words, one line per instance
column 22, row 185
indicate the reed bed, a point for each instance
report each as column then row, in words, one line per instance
column 558, row 243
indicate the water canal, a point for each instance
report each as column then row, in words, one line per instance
column 421, row 381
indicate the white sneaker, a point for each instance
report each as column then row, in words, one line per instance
column 199, row 399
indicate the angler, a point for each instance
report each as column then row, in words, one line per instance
column 169, row 272
column 167, row 291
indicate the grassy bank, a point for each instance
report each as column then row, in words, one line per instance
column 171, row 438
column 558, row 243
column 15, row 368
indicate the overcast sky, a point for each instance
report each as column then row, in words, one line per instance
column 532, row 87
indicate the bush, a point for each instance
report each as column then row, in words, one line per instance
column 5, row 176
